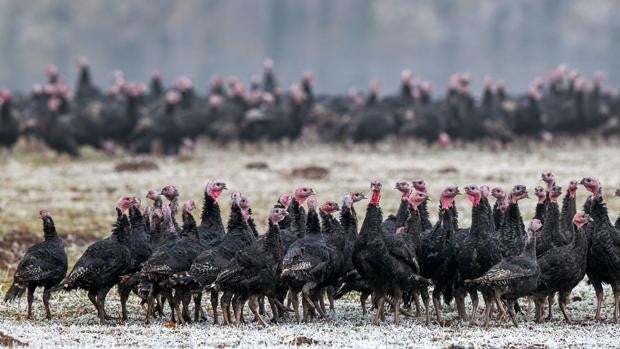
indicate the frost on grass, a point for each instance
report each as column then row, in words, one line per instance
column 80, row 194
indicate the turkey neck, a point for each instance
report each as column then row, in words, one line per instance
column 49, row 229
column 273, row 241
column 599, row 213
column 403, row 212
column 298, row 218
column 211, row 214
column 348, row 220
column 189, row 226
column 424, row 215
column 120, row 231
column 569, row 208
column 371, row 226
column 530, row 247
column 414, row 225
column 480, row 222
column 135, row 217
column 313, row 226
column 580, row 243
column 514, row 220
column 552, row 219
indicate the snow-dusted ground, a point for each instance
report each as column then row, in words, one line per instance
column 80, row 195
column 75, row 325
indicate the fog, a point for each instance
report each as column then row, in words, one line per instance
column 345, row 42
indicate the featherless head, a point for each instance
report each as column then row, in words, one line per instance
column 357, row 196
column 311, row 203
column 44, row 214
column 189, row 206
column 420, row 185
column 592, row 185
column 404, row 187
column 124, row 203
column 448, row 195
column 417, row 198
column 473, row 194
column 485, row 191
column 555, row 192
column 277, row 214
column 535, row 225
column 498, row 193
column 581, row 218
column 173, row 97
column 215, row 188
column 152, row 194
column 285, row 200
column 375, row 185
column 572, row 188
column 541, row 194
column 548, row 178
column 170, row 192
column 303, row 193
column 518, row 192
column 329, row 207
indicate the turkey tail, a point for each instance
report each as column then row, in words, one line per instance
column 15, row 292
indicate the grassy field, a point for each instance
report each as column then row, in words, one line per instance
column 80, row 195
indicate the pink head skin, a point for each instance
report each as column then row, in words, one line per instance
column 485, row 191
column 498, row 193
column 53, row 104
column 152, row 194
column 473, row 194
column 443, row 139
column 375, row 186
column 405, row 76
column 572, row 188
column 82, row 62
column 311, row 203
column 549, row 179
column 592, row 185
column 51, row 70
column 417, row 198
column 518, row 192
column 535, row 225
column 420, row 185
column 170, row 192
column 44, row 214
column 215, row 188
column 173, row 97
column 277, row 214
column 555, row 193
column 357, row 196
column 401, row 230
column 124, row 203
column 285, row 200
column 448, row 195
column 303, row 193
column 404, row 187
column 189, row 206
column 351, row 198
column 329, row 207
column 580, row 219
column 540, row 193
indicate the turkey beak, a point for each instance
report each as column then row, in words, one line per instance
column 583, row 181
column 313, row 192
column 285, row 213
column 590, row 219
column 363, row 197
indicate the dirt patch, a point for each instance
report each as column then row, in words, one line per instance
column 303, row 340
column 13, row 245
column 256, row 166
column 310, row 172
column 8, row 341
column 136, row 166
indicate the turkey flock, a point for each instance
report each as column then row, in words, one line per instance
column 308, row 258
column 167, row 119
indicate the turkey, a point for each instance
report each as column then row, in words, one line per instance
column 211, row 228
column 551, row 234
column 477, row 252
column 511, row 233
column 255, row 270
column 513, row 277
column 437, row 249
column 499, row 207
column 140, row 248
column 387, row 261
column 103, row 263
column 541, row 205
column 174, row 256
column 9, row 126
column 421, row 186
column 563, row 267
column 43, row 265
column 396, row 221
column 604, row 253
column 211, row 261
column 569, row 209
column 307, row 265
